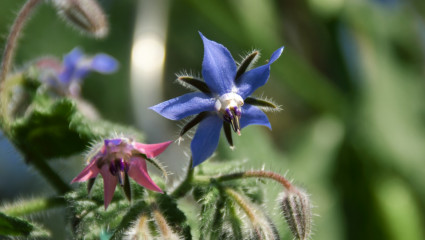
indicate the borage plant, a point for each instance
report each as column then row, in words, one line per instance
column 45, row 95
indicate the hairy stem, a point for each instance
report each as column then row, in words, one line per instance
column 186, row 184
column 26, row 207
column 260, row 174
column 11, row 43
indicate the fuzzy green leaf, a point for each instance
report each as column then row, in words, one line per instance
column 14, row 226
column 55, row 128
column 45, row 132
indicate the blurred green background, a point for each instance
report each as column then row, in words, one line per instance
column 351, row 83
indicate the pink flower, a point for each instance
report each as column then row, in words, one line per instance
column 118, row 158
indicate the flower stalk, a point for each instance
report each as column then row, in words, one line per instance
column 12, row 39
column 186, row 185
column 259, row 174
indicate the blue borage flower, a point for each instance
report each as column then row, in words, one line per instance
column 223, row 101
column 66, row 78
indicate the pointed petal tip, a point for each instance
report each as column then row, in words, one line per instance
column 276, row 54
column 152, row 150
column 104, row 63
column 159, row 190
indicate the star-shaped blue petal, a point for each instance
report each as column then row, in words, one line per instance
column 223, row 103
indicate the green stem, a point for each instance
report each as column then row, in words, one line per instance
column 186, row 185
column 11, row 43
column 51, row 176
column 260, row 174
column 22, row 208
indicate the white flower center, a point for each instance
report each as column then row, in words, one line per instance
column 229, row 106
column 228, row 101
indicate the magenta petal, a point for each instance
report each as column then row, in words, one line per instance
column 109, row 184
column 139, row 172
column 152, row 150
column 90, row 171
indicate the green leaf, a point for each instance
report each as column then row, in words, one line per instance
column 45, row 132
column 14, row 226
column 55, row 128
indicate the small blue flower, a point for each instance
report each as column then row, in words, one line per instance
column 67, row 78
column 222, row 101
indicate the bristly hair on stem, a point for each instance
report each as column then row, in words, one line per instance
column 12, row 39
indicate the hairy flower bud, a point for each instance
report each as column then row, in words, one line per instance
column 140, row 230
column 86, row 15
column 296, row 208
column 164, row 229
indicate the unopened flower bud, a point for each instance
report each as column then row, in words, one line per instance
column 296, row 208
column 86, row 15
column 164, row 229
column 140, row 230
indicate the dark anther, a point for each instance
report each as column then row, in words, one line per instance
column 232, row 116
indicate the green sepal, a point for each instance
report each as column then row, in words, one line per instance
column 201, row 116
column 261, row 103
column 246, row 63
column 126, row 187
column 194, row 83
